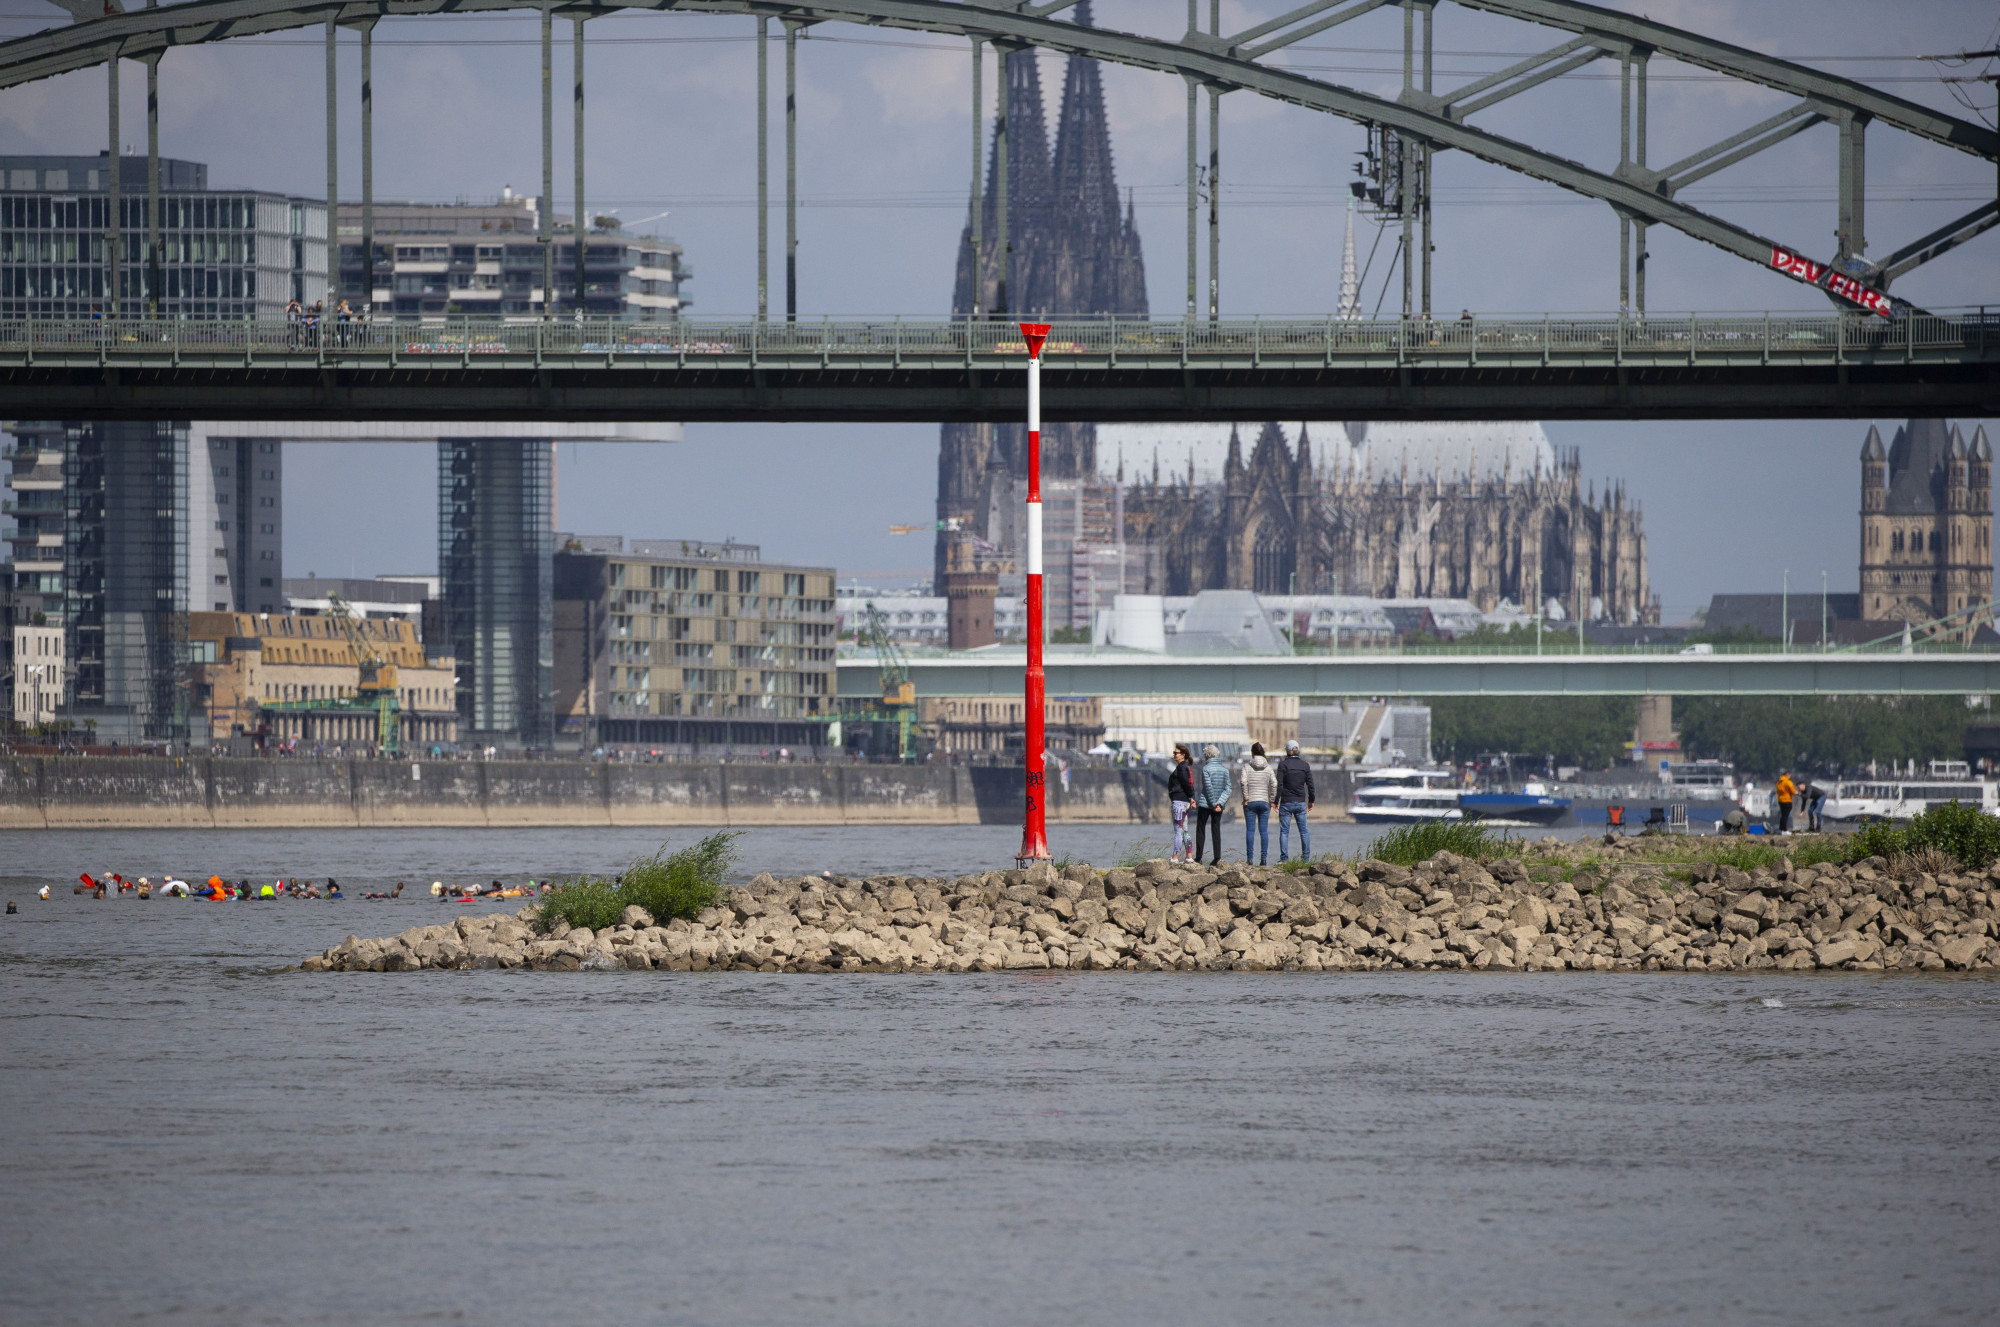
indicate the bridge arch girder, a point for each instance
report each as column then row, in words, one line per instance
column 1216, row 62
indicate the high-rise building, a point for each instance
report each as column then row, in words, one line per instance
column 224, row 253
column 236, row 508
column 1072, row 251
column 35, row 502
column 1927, row 525
column 125, row 578
column 119, row 531
column 485, row 260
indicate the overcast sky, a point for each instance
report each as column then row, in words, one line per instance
column 884, row 172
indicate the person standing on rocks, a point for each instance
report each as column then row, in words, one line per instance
column 1786, row 792
column 1180, row 796
column 1295, row 798
column 1211, row 795
column 1260, row 789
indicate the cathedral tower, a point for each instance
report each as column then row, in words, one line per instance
column 1875, row 587
column 1072, row 253
column 1926, row 525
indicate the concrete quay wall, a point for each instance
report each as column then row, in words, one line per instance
column 204, row 792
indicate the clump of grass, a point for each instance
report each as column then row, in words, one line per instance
column 1139, row 850
column 1963, row 833
column 668, row 885
column 1406, row 845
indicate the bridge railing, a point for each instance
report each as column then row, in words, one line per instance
column 1689, row 337
column 1553, row 647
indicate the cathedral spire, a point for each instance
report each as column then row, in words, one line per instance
column 1350, row 284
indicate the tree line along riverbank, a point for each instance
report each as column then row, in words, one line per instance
column 1621, row 906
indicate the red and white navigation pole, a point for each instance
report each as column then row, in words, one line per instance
column 1034, row 827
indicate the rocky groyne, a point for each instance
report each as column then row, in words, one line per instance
column 1614, row 911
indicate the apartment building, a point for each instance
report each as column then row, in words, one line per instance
column 669, row 642
column 485, row 260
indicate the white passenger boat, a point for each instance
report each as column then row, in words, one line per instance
column 1904, row 798
column 1405, row 795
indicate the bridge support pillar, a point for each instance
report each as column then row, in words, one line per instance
column 332, row 169
column 1852, row 240
column 114, row 267
column 1003, row 245
column 792, row 27
column 1424, row 175
column 581, row 226
column 367, row 27
column 545, row 205
column 496, row 573
column 153, row 184
column 763, row 168
column 1214, row 204
column 978, row 207
column 1193, row 184
column 1632, row 152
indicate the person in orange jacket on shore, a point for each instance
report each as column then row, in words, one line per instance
column 1786, row 794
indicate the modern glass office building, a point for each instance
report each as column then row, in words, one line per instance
column 223, row 253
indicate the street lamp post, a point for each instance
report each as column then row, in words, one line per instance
column 1034, row 826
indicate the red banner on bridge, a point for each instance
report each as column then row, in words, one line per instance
column 1841, row 287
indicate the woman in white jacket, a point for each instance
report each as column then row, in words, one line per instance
column 1260, row 789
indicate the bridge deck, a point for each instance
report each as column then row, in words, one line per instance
column 999, row 674
column 1543, row 367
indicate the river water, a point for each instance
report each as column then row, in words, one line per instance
column 193, row 1134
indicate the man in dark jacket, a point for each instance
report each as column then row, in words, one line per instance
column 1295, row 798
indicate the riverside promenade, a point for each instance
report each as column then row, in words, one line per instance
column 218, row 792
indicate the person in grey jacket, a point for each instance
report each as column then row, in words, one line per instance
column 1260, row 789
column 1211, row 795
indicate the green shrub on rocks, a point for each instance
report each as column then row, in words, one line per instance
column 1406, row 845
column 667, row 885
column 1964, row 833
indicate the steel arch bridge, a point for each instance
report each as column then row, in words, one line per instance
column 1417, row 124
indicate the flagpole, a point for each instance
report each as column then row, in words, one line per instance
column 1034, row 826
